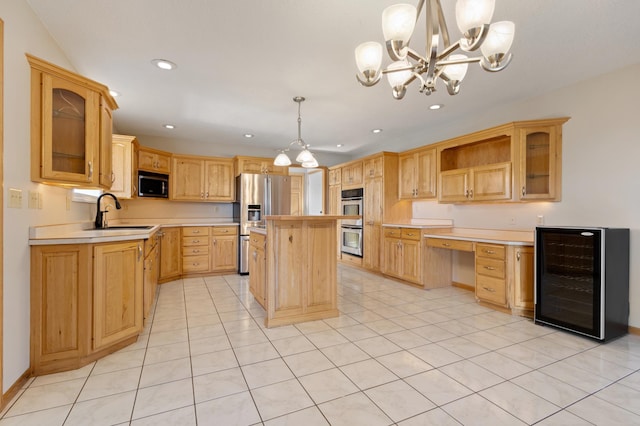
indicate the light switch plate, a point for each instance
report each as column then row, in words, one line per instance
column 33, row 200
column 15, row 198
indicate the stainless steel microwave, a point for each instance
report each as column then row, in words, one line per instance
column 153, row 185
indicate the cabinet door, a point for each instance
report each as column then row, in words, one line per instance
column 60, row 303
column 371, row 247
column 117, row 292
column 352, row 175
column 335, row 176
column 150, row 280
column 170, row 253
column 287, row 272
column 391, row 263
column 70, row 131
column 320, row 277
column 373, row 167
column 426, row 173
column 538, row 163
column 523, row 278
column 411, row 261
column 187, row 179
column 454, row 186
column 407, row 181
column 106, row 174
column 492, row 182
column 121, row 154
column 224, row 251
column 219, row 184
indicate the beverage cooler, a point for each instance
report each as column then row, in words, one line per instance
column 582, row 280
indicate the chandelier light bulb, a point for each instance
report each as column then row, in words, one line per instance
column 398, row 22
column 304, row 156
column 457, row 71
column 310, row 164
column 369, row 57
column 398, row 78
column 282, row 160
column 473, row 13
column 498, row 41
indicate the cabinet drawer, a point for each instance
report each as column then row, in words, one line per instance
column 257, row 239
column 411, row 234
column 195, row 250
column 195, row 263
column 450, row 244
column 491, row 289
column 192, row 231
column 490, row 267
column 393, row 232
column 225, row 230
column 195, row 241
column 490, row 250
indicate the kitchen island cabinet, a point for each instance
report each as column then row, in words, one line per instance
column 301, row 269
column 257, row 267
column 86, row 302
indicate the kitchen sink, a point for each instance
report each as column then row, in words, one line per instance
column 122, row 228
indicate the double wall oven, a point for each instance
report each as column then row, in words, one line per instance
column 351, row 229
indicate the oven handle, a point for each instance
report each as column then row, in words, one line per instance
column 351, row 227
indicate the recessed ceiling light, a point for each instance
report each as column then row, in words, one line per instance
column 339, row 145
column 436, row 106
column 376, row 131
column 163, row 64
column 248, row 135
column 169, row 126
column 114, row 93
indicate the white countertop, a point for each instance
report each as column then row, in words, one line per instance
column 422, row 224
column 491, row 236
column 84, row 233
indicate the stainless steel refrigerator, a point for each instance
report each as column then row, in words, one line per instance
column 258, row 196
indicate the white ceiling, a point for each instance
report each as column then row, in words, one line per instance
column 240, row 63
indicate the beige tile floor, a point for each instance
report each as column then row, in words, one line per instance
column 396, row 355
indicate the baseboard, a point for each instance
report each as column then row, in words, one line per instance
column 634, row 330
column 13, row 390
column 463, row 286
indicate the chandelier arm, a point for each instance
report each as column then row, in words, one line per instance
column 504, row 62
column 458, row 61
column 443, row 24
column 433, row 36
column 409, row 68
column 368, row 83
column 449, row 50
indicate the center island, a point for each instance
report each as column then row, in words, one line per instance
column 293, row 268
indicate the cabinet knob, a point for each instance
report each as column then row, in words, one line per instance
column 196, row 231
column 446, row 244
column 489, row 251
column 196, row 241
column 489, row 268
column 518, row 256
column 489, row 289
column 90, row 170
column 202, row 195
column 471, row 193
column 524, row 191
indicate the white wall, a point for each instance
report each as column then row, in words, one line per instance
column 600, row 179
column 24, row 34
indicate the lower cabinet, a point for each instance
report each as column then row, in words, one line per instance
column 224, row 245
column 151, row 272
column 195, row 249
column 491, row 283
column 170, row 254
column 257, row 267
column 522, row 297
column 86, row 302
column 402, row 254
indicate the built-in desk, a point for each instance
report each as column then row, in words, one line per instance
column 503, row 265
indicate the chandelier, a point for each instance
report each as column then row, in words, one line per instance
column 305, row 157
column 398, row 22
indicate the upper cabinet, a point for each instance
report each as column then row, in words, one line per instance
column 202, row 179
column 335, row 176
column 258, row 165
column 418, row 174
column 519, row 161
column 154, row 160
column 70, row 128
column 123, row 165
column 352, row 175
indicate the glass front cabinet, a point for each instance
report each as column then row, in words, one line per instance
column 71, row 128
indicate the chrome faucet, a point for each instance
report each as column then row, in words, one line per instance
column 101, row 216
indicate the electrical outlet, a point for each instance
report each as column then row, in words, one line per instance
column 15, row 198
column 540, row 219
column 512, row 221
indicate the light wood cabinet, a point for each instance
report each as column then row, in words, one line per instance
column 124, row 184
column 373, row 167
column 70, row 127
column 402, row 254
column 335, row 176
column 86, row 302
column 170, row 254
column 202, row 179
column 301, row 269
column 491, row 283
column 418, row 174
column 257, row 267
column 372, row 223
column 195, row 249
column 522, row 299
column 259, row 165
column 540, row 160
column 154, row 160
column 482, row 183
column 151, row 272
column 352, row 175
column 117, row 292
column 224, row 245
column 297, row 195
